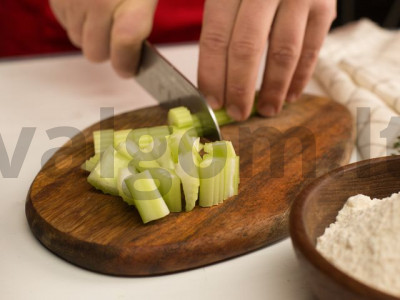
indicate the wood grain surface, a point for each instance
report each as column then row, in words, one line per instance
column 278, row 156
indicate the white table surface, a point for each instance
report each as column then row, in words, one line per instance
column 68, row 91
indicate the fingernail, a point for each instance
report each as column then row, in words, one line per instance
column 267, row 110
column 213, row 102
column 234, row 112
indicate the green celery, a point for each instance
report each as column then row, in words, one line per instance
column 180, row 117
column 147, row 198
column 120, row 136
column 91, row 163
column 104, row 175
column 102, row 140
column 187, row 171
column 123, row 190
column 169, row 187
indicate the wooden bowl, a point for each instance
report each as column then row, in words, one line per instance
column 318, row 205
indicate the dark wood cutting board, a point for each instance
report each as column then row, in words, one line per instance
column 278, row 156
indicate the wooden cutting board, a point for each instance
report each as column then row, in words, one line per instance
column 278, row 156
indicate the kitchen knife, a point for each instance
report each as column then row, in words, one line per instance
column 169, row 87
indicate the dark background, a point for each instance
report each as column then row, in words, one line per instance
column 384, row 12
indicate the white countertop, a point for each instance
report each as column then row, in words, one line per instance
column 68, row 91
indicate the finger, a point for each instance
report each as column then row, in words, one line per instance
column 132, row 24
column 75, row 23
column 285, row 45
column 59, row 11
column 319, row 22
column 218, row 21
column 70, row 19
column 247, row 45
column 97, row 29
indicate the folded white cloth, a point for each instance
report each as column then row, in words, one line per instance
column 359, row 66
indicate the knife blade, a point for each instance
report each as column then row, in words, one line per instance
column 171, row 89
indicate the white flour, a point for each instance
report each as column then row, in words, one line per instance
column 365, row 241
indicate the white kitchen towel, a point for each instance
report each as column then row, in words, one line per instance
column 359, row 66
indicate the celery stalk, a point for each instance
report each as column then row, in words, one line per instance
column 180, row 117
column 104, row 175
column 169, row 187
column 162, row 152
column 159, row 131
column 147, row 197
column 187, row 171
column 140, row 159
column 120, row 136
column 121, row 149
column 206, row 193
column 123, row 190
column 103, row 139
column 91, row 163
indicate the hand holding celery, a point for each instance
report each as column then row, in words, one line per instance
column 146, row 167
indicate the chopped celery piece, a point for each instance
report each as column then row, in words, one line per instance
column 140, row 136
column 121, row 149
column 220, row 149
column 206, row 193
column 222, row 117
column 229, row 180
column 123, row 190
column 162, row 152
column 180, row 117
column 120, row 136
column 183, row 140
column 147, row 167
column 188, row 172
column 169, row 187
column 91, row 163
column 140, row 160
column 197, row 125
column 102, row 140
column 146, row 143
column 236, row 178
column 159, row 131
column 147, row 197
column 104, row 176
column 219, row 178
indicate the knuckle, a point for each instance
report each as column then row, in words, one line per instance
column 309, row 56
column 214, row 41
column 124, row 36
column 238, row 90
column 245, row 49
column 285, row 56
column 130, row 28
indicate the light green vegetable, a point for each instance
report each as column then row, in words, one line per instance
column 147, row 198
column 91, row 163
column 104, row 176
column 149, row 167
column 102, row 139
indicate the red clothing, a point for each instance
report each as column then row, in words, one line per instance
column 29, row 26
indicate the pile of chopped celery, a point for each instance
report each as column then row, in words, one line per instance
column 149, row 167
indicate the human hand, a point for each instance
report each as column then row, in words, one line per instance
column 232, row 43
column 106, row 29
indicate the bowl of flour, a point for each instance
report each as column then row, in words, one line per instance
column 345, row 229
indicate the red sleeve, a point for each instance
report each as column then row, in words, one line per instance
column 177, row 20
column 28, row 26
